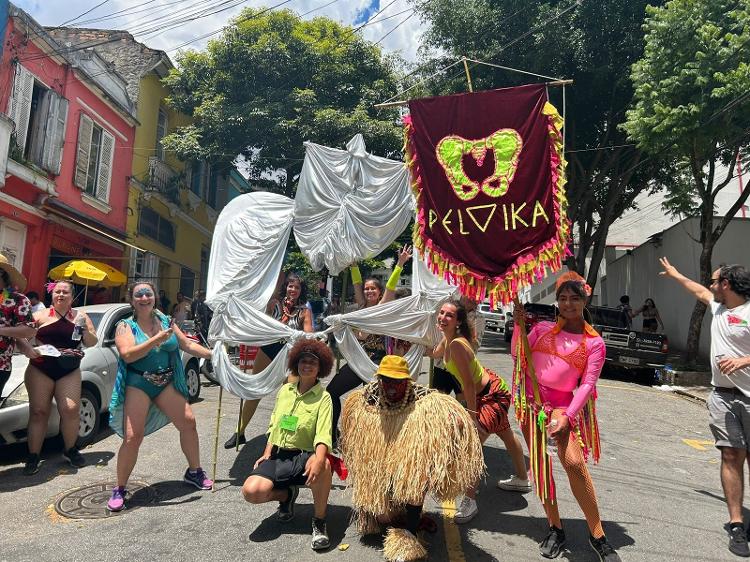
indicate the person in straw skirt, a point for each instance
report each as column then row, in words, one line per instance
column 401, row 441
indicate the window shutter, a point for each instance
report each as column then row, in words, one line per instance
column 151, row 267
column 53, row 144
column 85, row 129
column 19, row 108
column 106, row 156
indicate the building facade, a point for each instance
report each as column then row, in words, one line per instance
column 66, row 146
column 172, row 205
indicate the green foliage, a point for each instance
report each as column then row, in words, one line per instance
column 274, row 81
column 594, row 44
column 691, row 84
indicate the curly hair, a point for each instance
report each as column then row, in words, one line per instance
column 316, row 348
column 738, row 278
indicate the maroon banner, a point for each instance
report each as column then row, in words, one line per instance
column 488, row 174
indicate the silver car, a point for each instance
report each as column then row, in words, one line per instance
column 98, row 373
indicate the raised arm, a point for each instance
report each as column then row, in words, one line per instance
column 390, row 287
column 700, row 292
column 359, row 292
column 189, row 346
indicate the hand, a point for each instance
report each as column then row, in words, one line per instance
column 31, row 352
column 669, row 269
column 404, row 255
column 313, row 468
column 260, row 460
column 561, row 429
column 163, row 335
column 731, row 364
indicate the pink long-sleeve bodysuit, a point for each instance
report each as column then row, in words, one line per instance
column 562, row 364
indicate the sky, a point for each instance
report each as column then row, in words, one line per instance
column 149, row 20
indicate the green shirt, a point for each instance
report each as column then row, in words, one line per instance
column 314, row 413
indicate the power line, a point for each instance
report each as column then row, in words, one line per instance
column 402, row 22
column 84, row 13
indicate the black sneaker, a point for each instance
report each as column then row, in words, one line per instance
column 553, row 544
column 320, row 540
column 32, row 464
column 234, row 441
column 605, row 550
column 74, row 457
column 286, row 508
column 738, row 540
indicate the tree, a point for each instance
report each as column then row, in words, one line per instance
column 273, row 81
column 692, row 103
column 594, row 44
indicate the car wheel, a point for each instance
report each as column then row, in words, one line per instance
column 88, row 427
column 193, row 379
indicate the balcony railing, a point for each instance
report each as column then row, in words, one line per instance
column 163, row 179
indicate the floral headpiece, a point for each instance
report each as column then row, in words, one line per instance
column 50, row 286
column 575, row 278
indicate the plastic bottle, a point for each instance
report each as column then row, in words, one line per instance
column 551, row 441
column 80, row 324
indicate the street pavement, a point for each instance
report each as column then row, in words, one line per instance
column 657, row 482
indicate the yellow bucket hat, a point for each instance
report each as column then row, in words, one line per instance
column 393, row 367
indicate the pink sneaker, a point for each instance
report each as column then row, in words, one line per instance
column 198, row 479
column 117, row 501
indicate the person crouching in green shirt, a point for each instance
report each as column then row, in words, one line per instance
column 299, row 438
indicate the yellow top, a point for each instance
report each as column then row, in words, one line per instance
column 301, row 421
column 476, row 367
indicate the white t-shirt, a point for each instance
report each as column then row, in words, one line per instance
column 38, row 306
column 730, row 337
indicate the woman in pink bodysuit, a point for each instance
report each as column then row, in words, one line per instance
column 568, row 356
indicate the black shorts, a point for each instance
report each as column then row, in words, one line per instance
column 650, row 324
column 284, row 468
column 272, row 349
column 444, row 382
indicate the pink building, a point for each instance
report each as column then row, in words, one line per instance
column 69, row 127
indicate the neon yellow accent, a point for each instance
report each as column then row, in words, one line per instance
column 446, row 222
column 433, row 218
column 492, row 207
column 538, row 211
column 505, row 144
column 393, row 279
column 514, row 214
column 356, row 275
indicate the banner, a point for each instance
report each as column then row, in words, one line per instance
column 488, row 173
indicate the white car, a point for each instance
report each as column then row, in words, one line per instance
column 98, row 373
column 494, row 319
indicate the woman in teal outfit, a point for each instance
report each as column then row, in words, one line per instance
column 150, row 390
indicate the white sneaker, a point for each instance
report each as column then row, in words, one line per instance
column 466, row 511
column 514, row 484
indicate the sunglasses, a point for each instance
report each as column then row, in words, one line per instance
column 143, row 293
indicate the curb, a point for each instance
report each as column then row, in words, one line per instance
column 690, row 396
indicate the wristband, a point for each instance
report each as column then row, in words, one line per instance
column 356, row 275
column 393, row 279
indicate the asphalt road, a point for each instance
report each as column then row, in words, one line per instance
column 657, row 483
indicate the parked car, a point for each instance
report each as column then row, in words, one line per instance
column 535, row 312
column 628, row 348
column 493, row 319
column 98, row 373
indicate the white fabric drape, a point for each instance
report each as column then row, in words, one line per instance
column 248, row 248
column 349, row 204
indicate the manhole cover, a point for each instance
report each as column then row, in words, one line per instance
column 90, row 502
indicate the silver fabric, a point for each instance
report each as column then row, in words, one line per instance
column 248, row 246
column 350, row 205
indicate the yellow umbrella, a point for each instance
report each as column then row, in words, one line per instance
column 86, row 271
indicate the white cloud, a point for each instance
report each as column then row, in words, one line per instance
column 155, row 16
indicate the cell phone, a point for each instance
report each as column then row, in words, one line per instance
column 171, row 322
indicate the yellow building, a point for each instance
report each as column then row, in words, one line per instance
column 172, row 205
